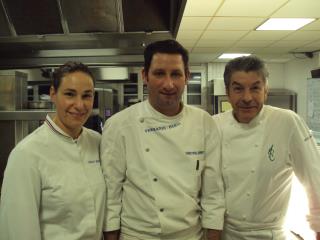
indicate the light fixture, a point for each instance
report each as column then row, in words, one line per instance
column 232, row 55
column 284, row 23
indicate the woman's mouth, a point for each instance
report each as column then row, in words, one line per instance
column 78, row 115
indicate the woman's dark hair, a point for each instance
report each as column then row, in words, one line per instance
column 69, row 67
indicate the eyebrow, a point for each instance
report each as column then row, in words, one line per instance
column 172, row 70
column 239, row 84
column 72, row 90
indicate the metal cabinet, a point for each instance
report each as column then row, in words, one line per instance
column 13, row 96
column 196, row 91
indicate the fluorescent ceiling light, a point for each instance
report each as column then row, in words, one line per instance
column 232, row 55
column 285, row 23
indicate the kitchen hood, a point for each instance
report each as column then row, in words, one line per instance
column 37, row 33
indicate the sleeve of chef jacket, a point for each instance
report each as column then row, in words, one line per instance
column 20, row 198
column 114, row 168
column 306, row 163
column 212, row 192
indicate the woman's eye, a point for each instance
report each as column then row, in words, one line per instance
column 87, row 96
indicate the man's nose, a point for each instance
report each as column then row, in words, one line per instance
column 247, row 96
column 168, row 82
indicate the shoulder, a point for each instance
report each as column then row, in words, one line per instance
column 195, row 111
column 28, row 150
column 222, row 117
column 200, row 116
column 92, row 135
column 125, row 117
column 285, row 115
column 36, row 139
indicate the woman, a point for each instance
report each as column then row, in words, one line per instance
column 53, row 186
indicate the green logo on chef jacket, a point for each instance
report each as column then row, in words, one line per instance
column 271, row 153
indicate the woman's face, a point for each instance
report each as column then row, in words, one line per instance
column 74, row 101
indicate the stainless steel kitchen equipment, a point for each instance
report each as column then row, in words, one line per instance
column 106, row 102
column 13, row 96
column 38, row 33
column 282, row 98
column 313, row 107
column 13, row 90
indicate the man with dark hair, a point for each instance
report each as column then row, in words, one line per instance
column 262, row 147
column 161, row 159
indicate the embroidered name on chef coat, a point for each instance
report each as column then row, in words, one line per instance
column 94, row 161
column 195, row 153
column 161, row 128
column 271, row 153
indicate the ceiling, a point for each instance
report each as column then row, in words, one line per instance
column 211, row 27
column 37, row 33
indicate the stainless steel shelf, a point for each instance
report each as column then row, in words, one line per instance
column 27, row 114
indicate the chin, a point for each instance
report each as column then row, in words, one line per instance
column 248, row 119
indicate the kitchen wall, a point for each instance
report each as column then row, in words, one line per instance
column 292, row 75
column 296, row 73
column 276, row 72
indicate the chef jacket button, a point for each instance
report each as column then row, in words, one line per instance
column 244, row 217
column 161, row 209
column 147, row 149
column 252, row 170
column 155, row 179
column 248, row 194
column 141, row 120
column 256, row 145
column 224, row 166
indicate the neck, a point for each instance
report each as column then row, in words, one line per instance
column 169, row 111
column 74, row 133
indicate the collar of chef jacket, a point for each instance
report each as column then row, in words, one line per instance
column 254, row 122
column 151, row 114
column 59, row 132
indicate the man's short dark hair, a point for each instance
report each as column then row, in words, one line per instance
column 245, row 64
column 166, row 46
column 69, row 67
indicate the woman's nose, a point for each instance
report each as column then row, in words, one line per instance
column 79, row 103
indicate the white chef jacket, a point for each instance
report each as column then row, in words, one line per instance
column 258, row 161
column 53, row 187
column 153, row 165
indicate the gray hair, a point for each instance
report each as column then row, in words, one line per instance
column 245, row 64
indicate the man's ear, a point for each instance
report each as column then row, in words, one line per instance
column 227, row 91
column 53, row 94
column 144, row 76
column 266, row 92
column 188, row 74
